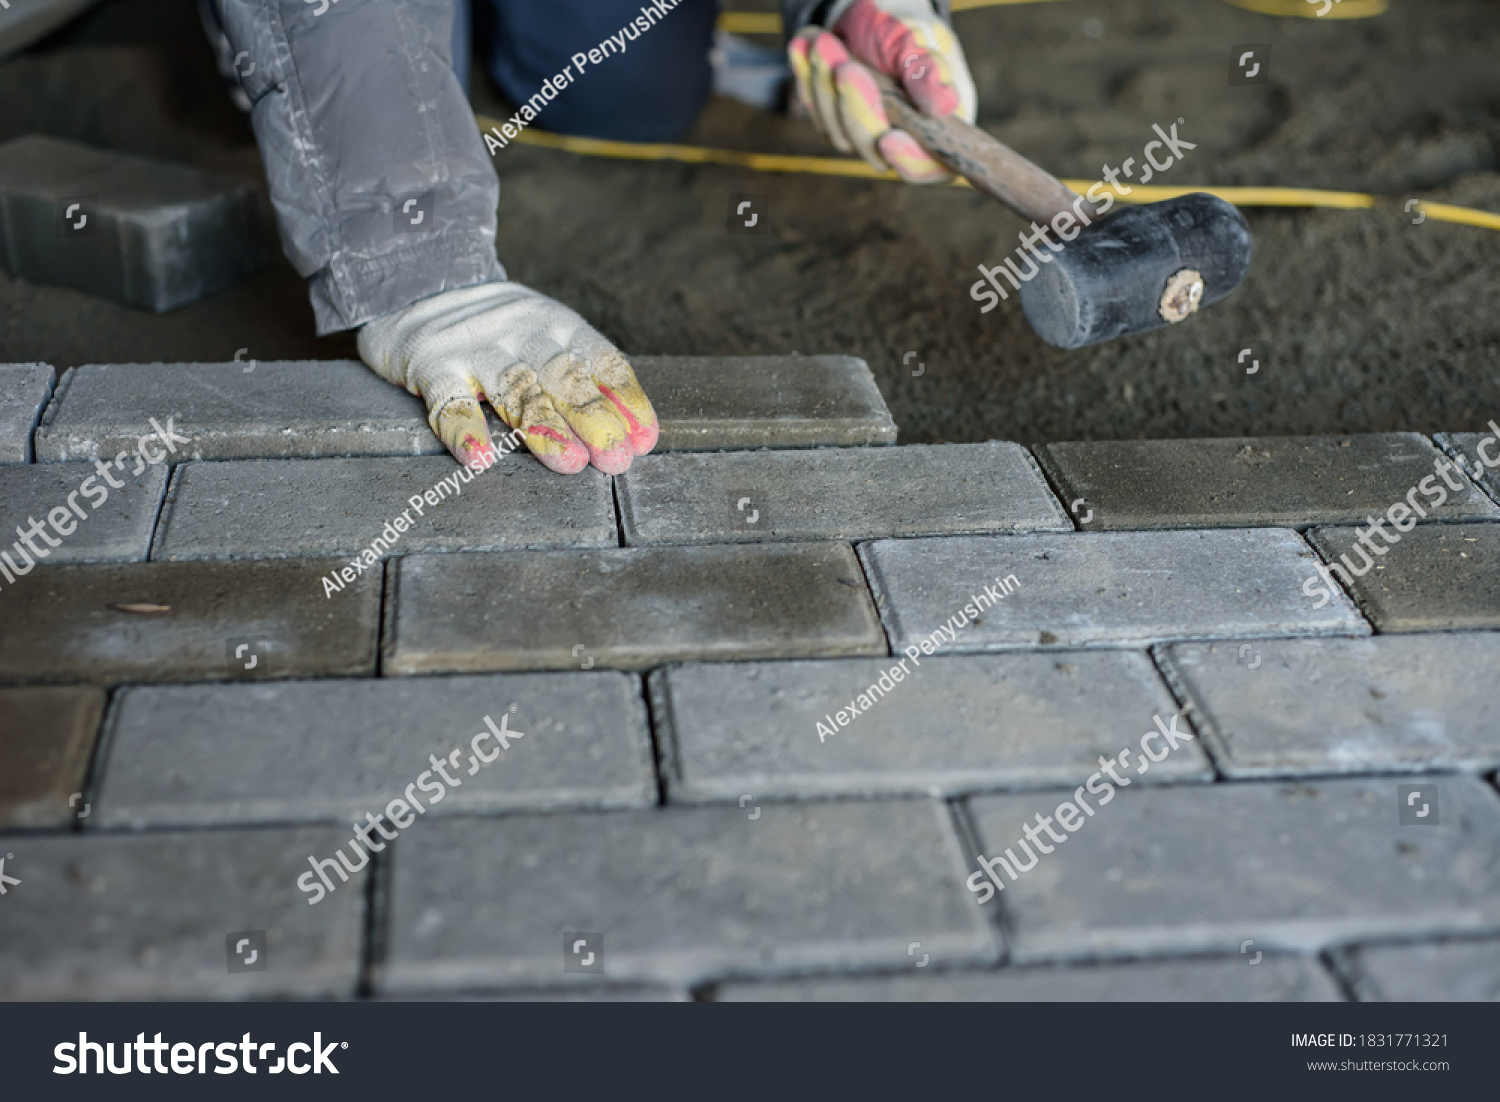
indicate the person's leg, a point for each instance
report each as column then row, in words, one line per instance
column 647, row 85
column 359, row 115
column 463, row 42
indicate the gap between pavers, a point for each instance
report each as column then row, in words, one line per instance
column 951, row 725
column 626, row 608
column 301, row 508
column 1293, row 867
column 323, row 408
column 1320, row 707
column 213, row 755
column 843, row 493
column 24, row 392
column 1086, row 589
column 1250, row 482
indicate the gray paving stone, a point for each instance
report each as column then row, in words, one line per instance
column 845, row 493
column 105, row 917
column 281, row 409
column 1104, row 589
column 627, row 607
column 270, row 508
column 951, row 725
column 1439, row 577
column 1445, row 971
column 46, row 741
column 592, row 994
column 1204, row 868
column 315, row 408
column 303, row 751
column 736, row 402
column 1309, row 707
column 1249, row 482
column 1202, row 979
column 1467, row 445
column 680, row 895
column 24, row 390
column 144, row 232
column 181, row 621
column 113, row 528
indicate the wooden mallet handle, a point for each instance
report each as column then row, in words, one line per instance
column 990, row 165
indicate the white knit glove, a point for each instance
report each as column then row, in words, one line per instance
column 545, row 370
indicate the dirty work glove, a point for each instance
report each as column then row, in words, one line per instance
column 906, row 40
column 545, row 370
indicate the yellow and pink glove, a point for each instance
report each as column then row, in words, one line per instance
column 906, row 40
column 548, row 374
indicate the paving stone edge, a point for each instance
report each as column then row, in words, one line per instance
column 42, row 409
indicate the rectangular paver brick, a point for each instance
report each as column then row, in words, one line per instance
column 950, row 725
column 116, row 521
column 1469, row 445
column 301, row 751
column 680, row 894
column 1104, row 589
column 318, row 408
column 1283, row 978
column 1438, row 577
column 593, row 994
column 1295, row 867
column 734, row 402
column 1305, row 707
column 47, row 738
column 626, row 607
column 1443, row 971
column 1249, row 482
column 24, row 390
column 281, row 409
column 105, row 917
column 143, row 232
column 270, row 508
column 845, row 493
column 180, row 622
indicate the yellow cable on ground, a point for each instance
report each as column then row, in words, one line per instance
column 1315, row 9
column 1464, row 216
column 763, row 22
column 846, row 166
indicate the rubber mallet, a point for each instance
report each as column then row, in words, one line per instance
column 1140, row 269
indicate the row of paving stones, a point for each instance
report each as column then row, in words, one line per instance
column 339, row 407
column 1301, row 874
column 1440, row 576
column 322, row 408
column 635, row 608
column 168, row 756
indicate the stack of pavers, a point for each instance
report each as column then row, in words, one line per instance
column 210, row 689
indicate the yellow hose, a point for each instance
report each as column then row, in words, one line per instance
column 846, row 166
column 759, row 22
column 1315, row 9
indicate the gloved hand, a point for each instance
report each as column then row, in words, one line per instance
column 906, row 40
column 545, row 370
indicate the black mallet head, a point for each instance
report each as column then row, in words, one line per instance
column 1138, row 270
